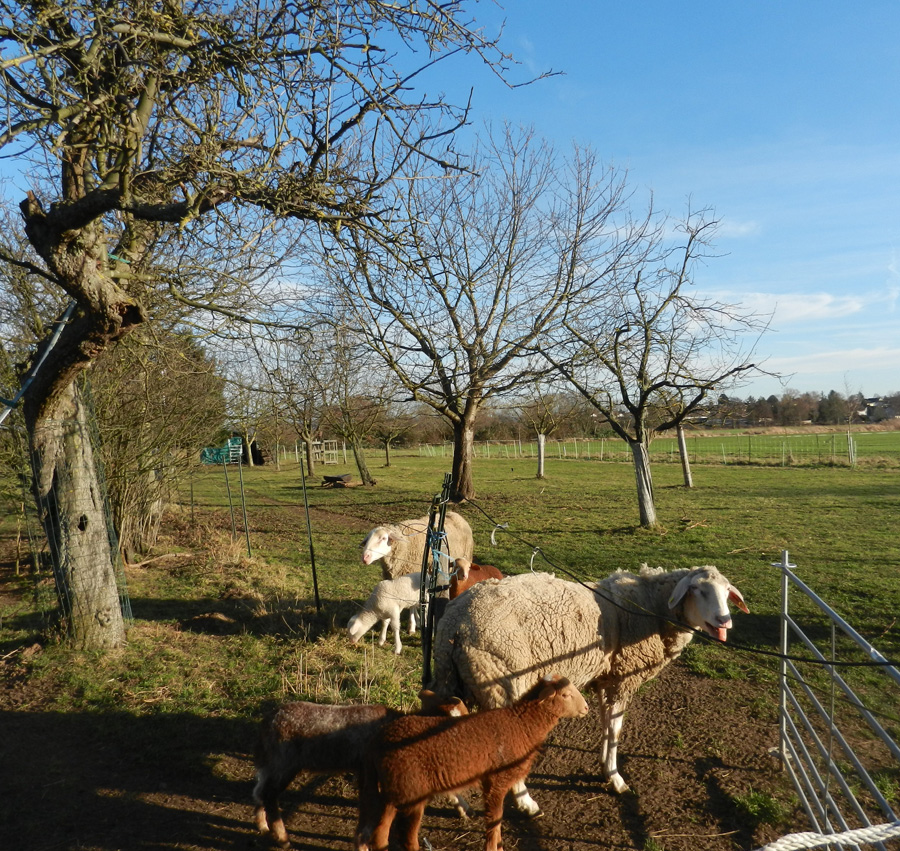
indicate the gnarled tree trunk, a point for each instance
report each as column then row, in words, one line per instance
column 72, row 505
column 463, row 452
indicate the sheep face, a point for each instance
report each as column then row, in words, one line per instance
column 377, row 544
column 564, row 699
column 360, row 624
column 706, row 594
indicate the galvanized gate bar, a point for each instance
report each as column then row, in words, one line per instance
column 809, row 736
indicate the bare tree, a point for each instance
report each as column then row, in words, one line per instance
column 395, row 422
column 353, row 392
column 158, row 400
column 292, row 370
column 646, row 352
column 488, row 266
column 134, row 119
column 544, row 410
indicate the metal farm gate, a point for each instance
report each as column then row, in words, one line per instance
column 840, row 688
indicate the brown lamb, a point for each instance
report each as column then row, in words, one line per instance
column 466, row 573
column 415, row 757
column 320, row 739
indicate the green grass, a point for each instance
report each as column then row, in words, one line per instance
column 784, row 447
column 840, row 526
column 760, row 808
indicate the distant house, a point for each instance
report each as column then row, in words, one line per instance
column 878, row 409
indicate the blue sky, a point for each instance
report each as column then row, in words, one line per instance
column 783, row 117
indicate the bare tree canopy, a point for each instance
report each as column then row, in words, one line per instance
column 487, row 268
column 131, row 121
column 645, row 350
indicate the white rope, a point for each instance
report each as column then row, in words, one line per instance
column 799, row 841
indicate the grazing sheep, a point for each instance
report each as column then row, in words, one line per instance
column 414, row 758
column 614, row 635
column 321, row 739
column 400, row 547
column 465, row 574
column 388, row 599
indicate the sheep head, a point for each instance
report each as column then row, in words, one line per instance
column 705, row 594
column 432, row 704
column 377, row 544
column 360, row 624
column 565, row 699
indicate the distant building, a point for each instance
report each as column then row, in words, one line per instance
column 878, row 409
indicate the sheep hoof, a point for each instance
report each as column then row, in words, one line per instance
column 527, row 805
column 620, row 787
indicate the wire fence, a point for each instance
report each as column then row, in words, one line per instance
column 815, row 449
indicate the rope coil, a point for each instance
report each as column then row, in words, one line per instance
column 800, row 841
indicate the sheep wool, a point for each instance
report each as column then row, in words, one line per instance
column 400, row 547
column 388, row 600
column 413, row 758
column 613, row 635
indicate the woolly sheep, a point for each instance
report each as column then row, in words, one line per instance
column 321, row 739
column 464, row 574
column 388, row 599
column 413, row 758
column 401, row 546
column 614, row 635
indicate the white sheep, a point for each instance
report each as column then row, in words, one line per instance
column 400, row 547
column 614, row 635
column 320, row 739
column 388, row 599
column 413, row 758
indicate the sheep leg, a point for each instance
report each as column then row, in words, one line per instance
column 524, row 802
column 395, row 623
column 383, row 828
column 614, row 715
column 371, row 809
column 384, row 629
column 413, row 817
column 462, row 805
column 494, row 793
column 412, row 621
column 267, row 812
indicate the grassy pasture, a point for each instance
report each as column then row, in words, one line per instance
column 772, row 448
column 218, row 632
column 840, row 525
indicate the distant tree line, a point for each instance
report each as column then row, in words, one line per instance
column 566, row 416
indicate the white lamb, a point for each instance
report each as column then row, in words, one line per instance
column 388, row 599
column 400, row 546
column 614, row 635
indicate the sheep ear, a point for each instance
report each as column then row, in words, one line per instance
column 457, row 707
column 680, row 590
column 737, row 598
column 393, row 537
column 551, row 684
column 548, row 690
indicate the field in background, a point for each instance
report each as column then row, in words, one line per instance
column 801, row 447
column 836, row 523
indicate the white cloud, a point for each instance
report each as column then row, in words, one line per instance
column 731, row 229
column 835, row 361
column 787, row 308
